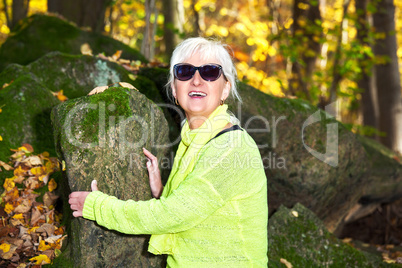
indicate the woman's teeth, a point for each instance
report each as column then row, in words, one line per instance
column 197, row 94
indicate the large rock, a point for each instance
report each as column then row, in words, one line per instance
column 298, row 237
column 40, row 34
column 25, row 118
column 309, row 157
column 101, row 137
column 76, row 75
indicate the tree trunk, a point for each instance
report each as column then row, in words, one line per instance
column 301, row 71
column 369, row 103
column 19, row 11
column 387, row 76
column 171, row 24
column 85, row 13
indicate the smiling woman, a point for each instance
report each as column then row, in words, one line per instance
column 213, row 210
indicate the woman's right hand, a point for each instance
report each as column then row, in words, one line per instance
column 155, row 180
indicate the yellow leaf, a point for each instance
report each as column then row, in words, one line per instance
column 38, row 170
column 52, row 185
column 1, row 138
column 33, row 229
column 18, row 216
column 45, row 154
column 19, row 171
column 61, row 96
column 9, row 184
column 5, row 247
column 43, row 245
column 8, row 208
column 41, row 259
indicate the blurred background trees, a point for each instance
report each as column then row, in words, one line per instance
column 319, row 50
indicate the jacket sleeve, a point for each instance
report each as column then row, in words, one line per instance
column 216, row 178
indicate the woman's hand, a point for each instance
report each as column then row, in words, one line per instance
column 77, row 199
column 155, row 181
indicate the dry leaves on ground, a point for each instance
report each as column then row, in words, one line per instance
column 30, row 231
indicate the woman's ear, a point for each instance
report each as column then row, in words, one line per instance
column 173, row 90
column 226, row 90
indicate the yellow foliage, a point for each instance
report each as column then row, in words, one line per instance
column 18, row 216
column 41, row 259
column 52, row 185
column 1, row 138
column 9, row 208
column 9, row 184
column 43, row 245
column 5, row 247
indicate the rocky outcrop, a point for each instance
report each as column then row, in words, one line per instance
column 298, row 237
column 101, row 137
column 38, row 35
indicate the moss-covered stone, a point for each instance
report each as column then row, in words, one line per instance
column 25, row 116
column 101, row 136
column 294, row 175
column 40, row 34
column 299, row 237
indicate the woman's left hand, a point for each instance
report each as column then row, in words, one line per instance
column 155, row 181
column 77, row 199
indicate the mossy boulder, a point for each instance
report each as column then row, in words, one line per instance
column 25, row 118
column 101, row 137
column 298, row 236
column 76, row 75
column 38, row 35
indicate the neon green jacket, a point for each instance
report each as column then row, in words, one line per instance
column 217, row 216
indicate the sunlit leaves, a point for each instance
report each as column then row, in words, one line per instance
column 33, row 227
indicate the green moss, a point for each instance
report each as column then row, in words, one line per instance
column 40, row 34
column 25, row 118
column 303, row 240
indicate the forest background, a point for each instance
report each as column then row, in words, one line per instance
column 320, row 50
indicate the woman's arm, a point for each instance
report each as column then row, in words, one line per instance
column 218, row 176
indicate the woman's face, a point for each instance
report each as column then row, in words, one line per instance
column 213, row 92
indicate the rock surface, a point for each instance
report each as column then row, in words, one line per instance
column 38, row 35
column 25, row 118
column 101, row 137
column 298, row 237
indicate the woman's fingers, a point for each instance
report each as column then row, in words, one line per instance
column 155, row 181
column 76, row 201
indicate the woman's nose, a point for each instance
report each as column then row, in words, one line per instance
column 197, row 79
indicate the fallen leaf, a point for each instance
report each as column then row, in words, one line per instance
column 86, row 49
column 43, row 245
column 28, row 147
column 9, row 208
column 60, row 96
column 49, row 199
column 127, row 85
column 6, row 166
column 5, row 247
column 1, row 138
column 117, row 55
column 32, row 160
column 98, row 90
column 52, row 185
column 9, row 184
column 295, row 213
column 24, row 207
column 19, row 171
column 41, row 259
column 37, row 171
column 288, row 264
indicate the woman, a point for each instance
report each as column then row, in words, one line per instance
column 213, row 209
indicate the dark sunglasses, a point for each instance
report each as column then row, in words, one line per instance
column 209, row 72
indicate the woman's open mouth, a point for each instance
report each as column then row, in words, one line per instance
column 197, row 94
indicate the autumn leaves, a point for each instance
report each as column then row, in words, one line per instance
column 30, row 231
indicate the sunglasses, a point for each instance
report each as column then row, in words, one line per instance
column 209, row 72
